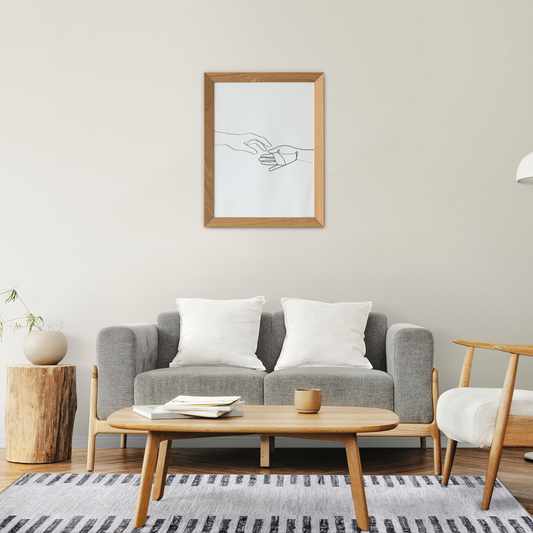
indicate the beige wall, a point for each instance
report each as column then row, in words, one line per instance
column 428, row 111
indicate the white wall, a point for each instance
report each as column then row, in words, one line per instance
column 428, row 111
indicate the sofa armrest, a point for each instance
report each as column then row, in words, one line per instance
column 122, row 352
column 409, row 351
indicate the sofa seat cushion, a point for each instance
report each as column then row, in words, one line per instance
column 342, row 386
column 161, row 385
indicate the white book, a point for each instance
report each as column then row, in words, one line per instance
column 201, row 402
column 154, row 412
column 214, row 408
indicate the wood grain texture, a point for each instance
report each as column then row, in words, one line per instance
column 96, row 425
column 451, row 449
column 147, row 476
column 435, row 431
column 421, row 430
column 267, row 420
column 209, row 149
column 331, row 423
column 40, row 409
column 499, row 430
column 264, row 77
column 356, row 480
column 508, row 430
column 264, row 459
column 161, row 469
column 519, row 431
column 261, row 222
column 464, row 378
column 521, row 349
column 210, row 221
column 319, row 150
column 484, row 345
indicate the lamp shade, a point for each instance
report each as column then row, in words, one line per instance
column 524, row 174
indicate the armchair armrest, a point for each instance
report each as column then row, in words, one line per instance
column 472, row 344
column 520, row 349
column 122, row 352
column 409, row 351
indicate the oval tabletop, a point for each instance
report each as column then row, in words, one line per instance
column 277, row 419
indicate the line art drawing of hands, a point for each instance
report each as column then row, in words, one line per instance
column 242, row 142
column 284, row 155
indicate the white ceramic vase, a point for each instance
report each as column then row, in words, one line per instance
column 45, row 347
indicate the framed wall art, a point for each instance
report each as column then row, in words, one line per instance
column 264, row 150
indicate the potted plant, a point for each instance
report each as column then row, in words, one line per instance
column 41, row 346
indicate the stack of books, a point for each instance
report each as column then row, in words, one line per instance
column 193, row 407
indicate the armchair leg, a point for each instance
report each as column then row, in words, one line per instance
column 124, row 440
column 422, row 443
column 448, row 460
column 499, row 430
column 492, row 471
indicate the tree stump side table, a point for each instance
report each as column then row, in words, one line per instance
column 40, row 409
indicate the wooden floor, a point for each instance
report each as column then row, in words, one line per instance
column 515, row 472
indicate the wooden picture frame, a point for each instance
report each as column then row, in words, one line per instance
column 235, row 172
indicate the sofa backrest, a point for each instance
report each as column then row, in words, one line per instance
column 271, row 335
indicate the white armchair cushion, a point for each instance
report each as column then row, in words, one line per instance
column 468, row 414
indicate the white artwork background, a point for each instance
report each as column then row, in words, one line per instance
column 283, row 113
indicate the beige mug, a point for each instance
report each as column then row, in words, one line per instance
column 308, row 401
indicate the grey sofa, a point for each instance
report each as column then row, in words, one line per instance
column 133, row 369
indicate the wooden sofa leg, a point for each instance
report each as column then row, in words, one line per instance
column 93, row 420
column 435, row 431
column 97, row 426
column 437, row 460
column 91, row 448
column 423, row 443
column 267, row 446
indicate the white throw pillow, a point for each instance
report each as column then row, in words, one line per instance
column 219, row 332
column 324, row 334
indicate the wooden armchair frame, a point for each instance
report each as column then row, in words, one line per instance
column 510, row 430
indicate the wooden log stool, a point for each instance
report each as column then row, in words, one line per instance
column 40, row 409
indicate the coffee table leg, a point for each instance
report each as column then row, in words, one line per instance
column 161, row 469
column 356, row 480
column 147, row 476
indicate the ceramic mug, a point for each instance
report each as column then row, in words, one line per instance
column 307, row 401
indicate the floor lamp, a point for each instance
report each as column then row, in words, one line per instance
column 524, row 175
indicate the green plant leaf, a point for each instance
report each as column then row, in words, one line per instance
column 32, row 321
column 13, row 295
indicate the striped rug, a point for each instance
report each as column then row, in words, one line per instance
column 105, row 503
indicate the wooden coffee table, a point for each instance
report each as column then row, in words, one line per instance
column 330, row 423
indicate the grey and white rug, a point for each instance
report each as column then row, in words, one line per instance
column 105, row 503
